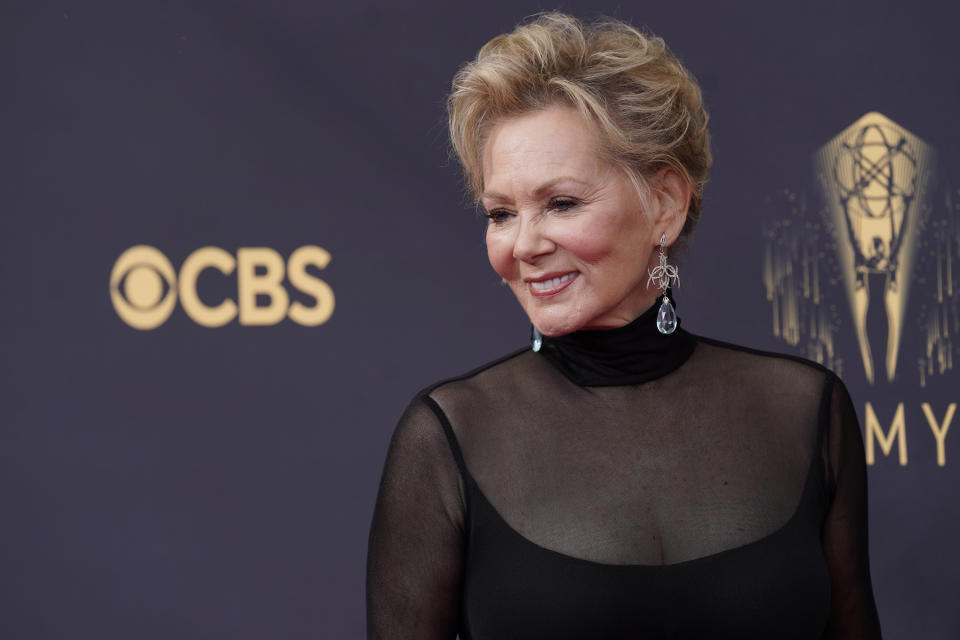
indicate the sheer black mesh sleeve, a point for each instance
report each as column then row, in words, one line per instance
column 416, row 546
column 853, row 613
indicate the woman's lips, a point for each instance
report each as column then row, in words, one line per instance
column 551, row 284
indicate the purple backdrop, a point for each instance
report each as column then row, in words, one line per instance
column 198, row 481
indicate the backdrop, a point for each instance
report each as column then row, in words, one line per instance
column 234, row 247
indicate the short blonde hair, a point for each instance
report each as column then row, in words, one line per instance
column 646, row 108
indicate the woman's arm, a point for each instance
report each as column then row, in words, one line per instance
column 415, row 554
column 853, row 613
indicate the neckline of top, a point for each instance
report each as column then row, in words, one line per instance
column 632, row 354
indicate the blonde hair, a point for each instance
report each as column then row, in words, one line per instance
column 645, row 107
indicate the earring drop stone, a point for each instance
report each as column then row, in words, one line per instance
column 666, row 317
column 537, row 341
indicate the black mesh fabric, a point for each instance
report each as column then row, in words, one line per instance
column 625, row 484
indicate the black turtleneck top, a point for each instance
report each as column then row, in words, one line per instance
column 624, row 484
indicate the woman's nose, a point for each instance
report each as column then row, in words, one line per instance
column 531, row 240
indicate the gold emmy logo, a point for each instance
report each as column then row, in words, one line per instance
column 878, row 232
column 874, row 178
column 878, row 247
column 144, row 287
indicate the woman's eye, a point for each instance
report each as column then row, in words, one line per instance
column 563, row 204
column 498, row 216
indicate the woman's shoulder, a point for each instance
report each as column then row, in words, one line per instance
column 487, row 378
column 433, row 421
column 502, row 365
column 762, row 368
column 514, row 378
column 783, row 391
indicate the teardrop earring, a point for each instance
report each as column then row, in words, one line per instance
column 662, row 275
column 536, row 340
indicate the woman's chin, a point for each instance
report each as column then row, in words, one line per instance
column 554, row 328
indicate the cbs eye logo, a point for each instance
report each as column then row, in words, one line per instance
column 144, row 287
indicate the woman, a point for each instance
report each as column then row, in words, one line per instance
column 622, row 478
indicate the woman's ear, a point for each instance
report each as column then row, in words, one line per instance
column 672, row 194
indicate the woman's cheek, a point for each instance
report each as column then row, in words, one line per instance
column 584, row 246
column 500, row 254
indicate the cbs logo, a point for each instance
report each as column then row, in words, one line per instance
column 144, row 287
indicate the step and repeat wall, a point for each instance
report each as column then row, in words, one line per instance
column 235, row 245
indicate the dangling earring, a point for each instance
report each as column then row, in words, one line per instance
column 662, row 275
column 536, row 341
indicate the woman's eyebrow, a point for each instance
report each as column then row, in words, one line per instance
column 538, row 192
column 493, row 195
column 546, row 186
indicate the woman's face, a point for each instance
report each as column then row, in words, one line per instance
column 567, row 230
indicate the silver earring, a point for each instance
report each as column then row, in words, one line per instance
column 536, row 341
column 662, row 275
